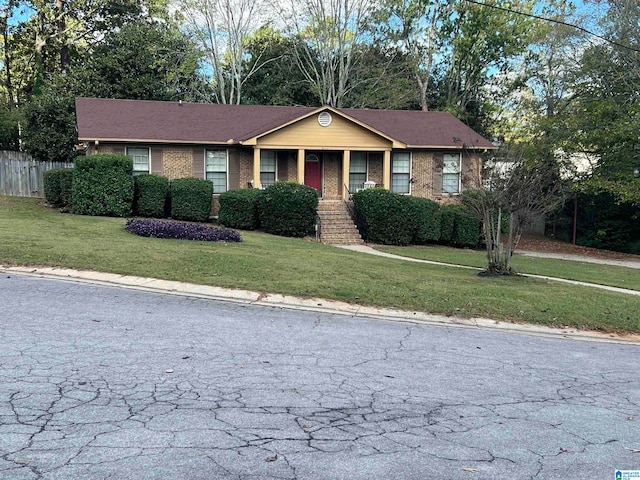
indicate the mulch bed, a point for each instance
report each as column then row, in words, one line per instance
column 547, row 245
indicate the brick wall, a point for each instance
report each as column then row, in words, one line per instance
column 422, row 174
column 178, row 162
column 246, row 167
column 292, row 167
column 332, row 182
column 375, row 167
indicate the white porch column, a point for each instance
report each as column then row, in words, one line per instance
column 256, row 168
column 346, row 159
column 301, row 167
column 386, row 170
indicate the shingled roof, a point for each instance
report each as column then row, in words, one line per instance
column 200, row 123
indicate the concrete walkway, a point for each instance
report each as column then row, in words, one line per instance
column 371, row 251
column 582, row 258
column 320, row 305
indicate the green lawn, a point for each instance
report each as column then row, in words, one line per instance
column 33, row 235
column 585, row 272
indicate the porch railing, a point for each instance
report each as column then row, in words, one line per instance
column 356, row 187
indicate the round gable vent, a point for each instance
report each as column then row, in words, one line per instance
column 324, row 119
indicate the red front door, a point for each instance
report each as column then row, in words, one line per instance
column 313, row 172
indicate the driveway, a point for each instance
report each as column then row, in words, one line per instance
column 101, row 382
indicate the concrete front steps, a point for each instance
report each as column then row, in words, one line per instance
column 336, row 225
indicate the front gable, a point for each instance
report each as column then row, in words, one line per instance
column 324, row 129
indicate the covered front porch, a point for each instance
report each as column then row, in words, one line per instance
column 336, row 174
column 327, row 150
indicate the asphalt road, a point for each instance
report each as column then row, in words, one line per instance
column 107, row 383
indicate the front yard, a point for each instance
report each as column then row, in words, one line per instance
column 33, row 235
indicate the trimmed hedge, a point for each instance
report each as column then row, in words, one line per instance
column 288, row 209
column 151, row 195
column 66, row 186
column 191, row 199
column 467, row 228
column 447, row 222
column 385, row 217
column 103, row 185
column 427, row 220
column 239, row 208
column 57, row 186
column 149, row 227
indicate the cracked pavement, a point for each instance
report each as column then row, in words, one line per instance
column 107, row 383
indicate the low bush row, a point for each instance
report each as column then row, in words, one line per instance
column 389, row 218
column 105, row 185
column 151, row 227
column 284, row 208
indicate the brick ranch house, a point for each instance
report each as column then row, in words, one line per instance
column 336, row 151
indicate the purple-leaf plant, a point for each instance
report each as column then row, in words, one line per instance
column 150, row 227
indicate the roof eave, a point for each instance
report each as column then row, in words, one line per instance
column 146, row 140
column 452, row 147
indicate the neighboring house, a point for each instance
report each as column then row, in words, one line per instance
column 336, row 151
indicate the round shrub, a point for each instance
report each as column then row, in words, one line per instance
column 102, row 185
column 385, row 217
column 427, row 220
column 239, row 208
column 288, row 209
column 149, row 227
column 191, row 199
column 151, row 194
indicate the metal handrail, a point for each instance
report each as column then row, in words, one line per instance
column 348, row 191
column 318, row 227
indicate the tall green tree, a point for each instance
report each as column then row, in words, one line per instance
column 139, row 61
column 382, row 79
column 605, row 117
column 415, row 27
column 273, row 77
column 142, row 61
column 483, row 44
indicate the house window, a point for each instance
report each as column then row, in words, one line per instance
column 268, row 168
column 141, row 159
column 401, row 172
column 451, row 168
column 216, row 169
column 357, row 171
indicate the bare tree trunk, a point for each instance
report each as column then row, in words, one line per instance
column 330, row 31
column 11, row 99
column 65, row 58
column 222, row 28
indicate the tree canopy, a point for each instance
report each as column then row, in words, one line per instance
column 548, row 86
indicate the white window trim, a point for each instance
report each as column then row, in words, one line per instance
column 459, row 192
column 276, row 163
column 410, row 172
column 126, row 152
column 226, row 173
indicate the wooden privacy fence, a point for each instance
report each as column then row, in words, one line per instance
column 21, row 176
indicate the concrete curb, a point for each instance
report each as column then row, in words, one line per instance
column 325, row 306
